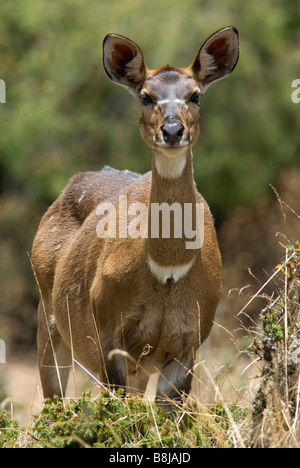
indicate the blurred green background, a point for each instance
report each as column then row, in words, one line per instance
column 63, row 115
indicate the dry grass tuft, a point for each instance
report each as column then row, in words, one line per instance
column 275, row 412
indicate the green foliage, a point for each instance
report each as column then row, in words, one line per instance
column 273, row 323
column 275, row 317
column 9, row 431
column 117, row 422
column 63, row 115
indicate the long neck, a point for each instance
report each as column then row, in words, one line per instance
column 172, row 207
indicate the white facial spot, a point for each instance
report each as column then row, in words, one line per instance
column 163, row 102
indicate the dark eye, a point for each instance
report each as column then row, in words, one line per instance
column 146, row 99
column 195, row 98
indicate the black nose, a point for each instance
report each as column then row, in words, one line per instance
column 172, row 133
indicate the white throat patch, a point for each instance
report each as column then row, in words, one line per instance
column 163, row 273
column 168, row 165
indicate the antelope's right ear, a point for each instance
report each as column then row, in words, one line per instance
column 123, row 61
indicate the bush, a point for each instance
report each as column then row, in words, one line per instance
column 117, row 422
column 112, row 421
column 276, row 415
column 9, row 431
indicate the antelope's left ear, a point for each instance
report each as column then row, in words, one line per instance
column 217, row 57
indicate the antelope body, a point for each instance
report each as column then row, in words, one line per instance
column 126, row 307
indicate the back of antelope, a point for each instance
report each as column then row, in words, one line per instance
column 128, row 300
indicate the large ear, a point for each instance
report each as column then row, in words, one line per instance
column 217, row 57
column 123, row 61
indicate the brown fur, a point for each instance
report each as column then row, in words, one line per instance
column 100, row 295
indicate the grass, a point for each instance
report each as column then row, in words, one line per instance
column 276, row 416
column 106, row 422
column 272, row 419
